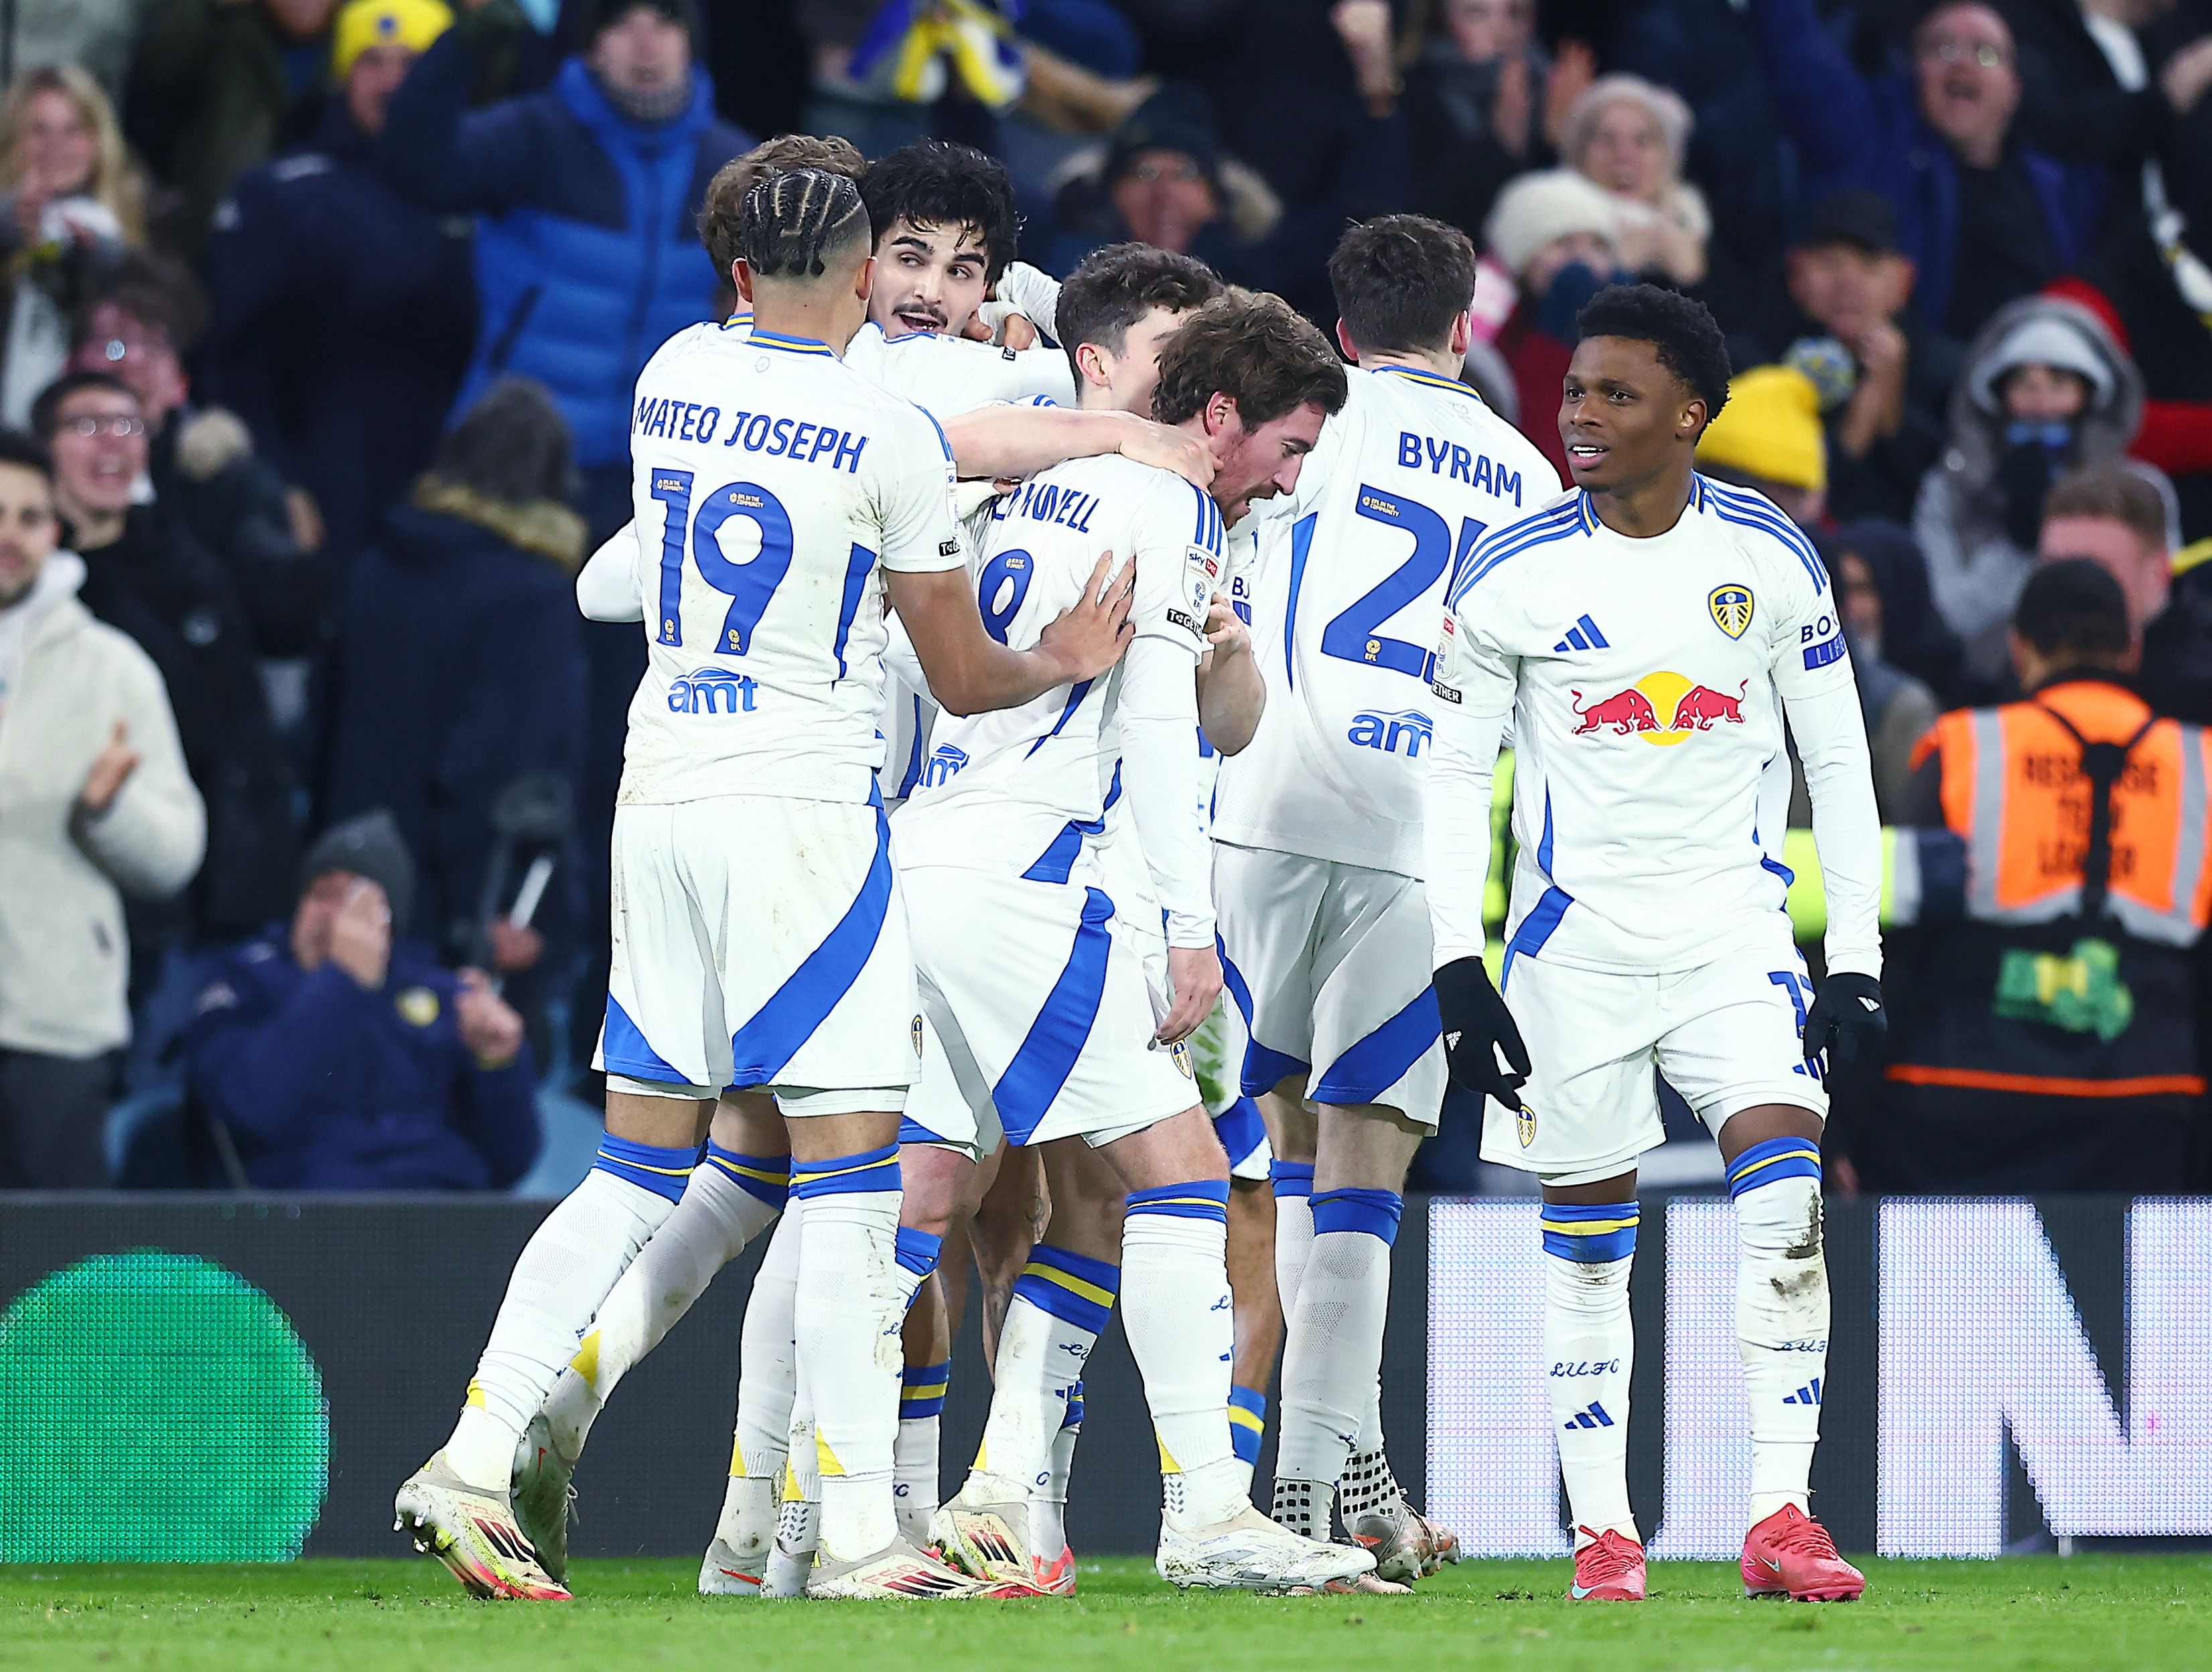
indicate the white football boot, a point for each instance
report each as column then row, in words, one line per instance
column 541, row 1494
column 1251, row 1552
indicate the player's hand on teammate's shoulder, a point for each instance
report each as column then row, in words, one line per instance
column 1149, row 442
column 1477, row 1027
column 1194, row 972
column 1846, row 1020
column 1089, row 636
column 1226, row 635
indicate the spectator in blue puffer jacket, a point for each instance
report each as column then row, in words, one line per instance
column 341, row 1057
column 344, row 314
column 586, row 191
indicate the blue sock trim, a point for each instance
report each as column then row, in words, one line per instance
column 918, row 1250
column 1775, row 1158
column 1592, row 1235
column 766, row 1177
column 843, row 1175
column 1375, row 1212
column 1291, row 1178
column 663, row 1171
column 1248, row 1422
column 921, row 1391
column 1201, row 1199
column 1099, row 1273
column 1075, row 1290
column 1074, row 1417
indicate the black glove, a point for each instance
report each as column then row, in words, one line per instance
column 1848, row 1022
column 1476, row 1022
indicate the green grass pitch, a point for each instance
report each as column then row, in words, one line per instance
column 2038, row 1612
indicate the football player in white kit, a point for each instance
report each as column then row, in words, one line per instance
column 1646, row 637
column 1037, row 994
column 759, row 937
column 1317, row 845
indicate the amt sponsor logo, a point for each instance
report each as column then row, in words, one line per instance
column 943, row 764
column 1386, row 731
column 712, row 691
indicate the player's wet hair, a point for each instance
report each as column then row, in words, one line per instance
column 723, row 208
column 936, row 183
column 2072, row 608
column 1400, row 280
column 1254, row 348
column 1678, row 327
column 794, row 220
column 1114, row 288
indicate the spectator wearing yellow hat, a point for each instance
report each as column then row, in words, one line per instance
column 1769, row 437
column 344, row 313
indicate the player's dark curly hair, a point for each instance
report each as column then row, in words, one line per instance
column 1254, row 348
column 2071, row 607
column 936, row 183
column 722, row 211
column 1681, row 328
column 1115, row 287
column 1400, row 280
column 793, row 221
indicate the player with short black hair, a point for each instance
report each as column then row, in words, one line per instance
column 1115, row 288
column 945, row 227
column 721, row 209
column 1400, row 281
column 1646, row 637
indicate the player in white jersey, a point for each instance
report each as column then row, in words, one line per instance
column 758, row 934
column 1038, row 995
column 1318, row 842
column 1646, row 637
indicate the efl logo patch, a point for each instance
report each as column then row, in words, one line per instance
column 1732, row 607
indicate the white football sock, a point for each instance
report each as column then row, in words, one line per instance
column 768, row 1385
column 562, row 1274
column 1061, row 1302
column 853, row 1291
column 1589, row 1355
column 1294, row 1231
column 1048, row 1502
column 1176, row 1312
column 920, row 1398
column 1781, row 1314
column 731, row 1199
column 1332, row 1351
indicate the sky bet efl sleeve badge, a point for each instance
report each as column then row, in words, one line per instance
column 1731, row 606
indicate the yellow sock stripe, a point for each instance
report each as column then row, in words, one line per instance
column 824, row 1458
column 930, row 1390
column 1588, row 1227
column 737, row 1458
column 586, row 1363
column 1168, row 1464
column 643, row 1167
column 760, row 1173
column 1241, row 1418
column 1808, row 1153
column 810, row 1174
column 1074, row 1284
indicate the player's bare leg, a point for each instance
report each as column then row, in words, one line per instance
column 1009, row 1219
column 1258, row 1314
column 1007, row 1520
column 1773, row 1153
column 457, row 1506
column 1589, row 1348
column 734, row 1194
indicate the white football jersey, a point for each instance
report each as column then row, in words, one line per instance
column 773, row 485
column 949, row 375
column 1404, row 479
column 1026, row 790
column 1645, row 681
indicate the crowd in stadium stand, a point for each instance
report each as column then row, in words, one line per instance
column 321, row 321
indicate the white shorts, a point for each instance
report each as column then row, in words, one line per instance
column 759, row 941
column 1329, row 963
column 1040, row 1011
column 1727, row 1035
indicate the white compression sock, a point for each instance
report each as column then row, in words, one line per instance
column 1294, row 1231
column 1781, row 1314
column 854, row 1291
column 562, row 1274
column 730, row 1199
column 1061, row 1302
column 768, row 1384
column 1177, row 1312
column 1589, row 1355
column 1334, row 1351
column 1048, row 1502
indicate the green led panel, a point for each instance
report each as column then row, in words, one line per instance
column 155, row 1407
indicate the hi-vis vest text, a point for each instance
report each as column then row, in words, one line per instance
column 2014, row 788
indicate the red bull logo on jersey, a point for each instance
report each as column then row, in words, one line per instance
column 1662, row 707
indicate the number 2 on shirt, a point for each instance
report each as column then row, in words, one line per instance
column 1354, row 635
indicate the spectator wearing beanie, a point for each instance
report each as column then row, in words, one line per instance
column 1552, row 233
column 339, row 1056
column 585, row 195
column 460, row 662
column 2045, row 391
column 344, row 314
column 1768, row 437
column 1630, row 138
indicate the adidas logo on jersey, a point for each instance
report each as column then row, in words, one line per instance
column 1593, row 1417
column 1582, row 635
column 1807, row 1395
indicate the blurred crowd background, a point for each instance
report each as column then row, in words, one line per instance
column 320, row 324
